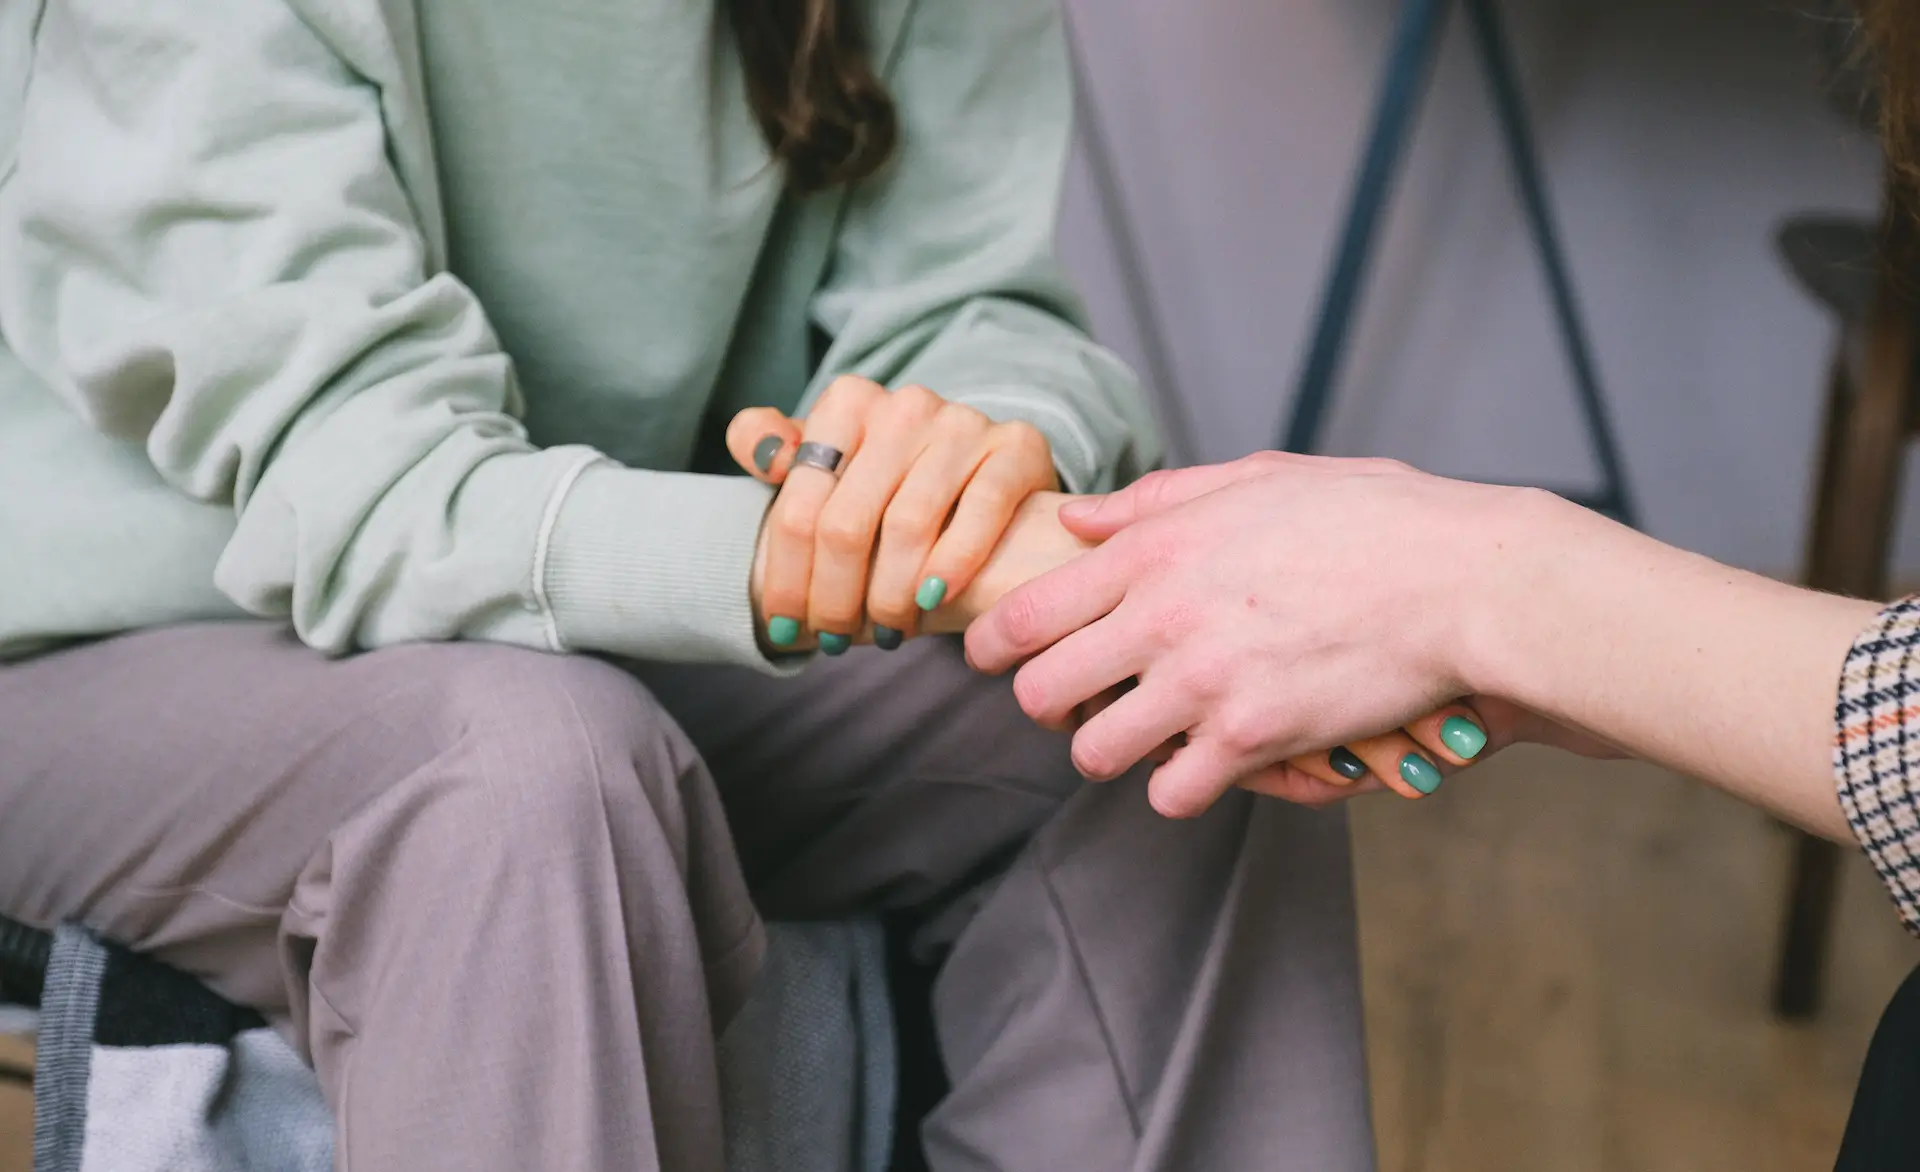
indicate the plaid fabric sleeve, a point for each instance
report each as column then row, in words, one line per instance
column 1876, row 752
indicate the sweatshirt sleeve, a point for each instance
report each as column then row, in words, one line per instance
column 943, row 273
column 204, row 247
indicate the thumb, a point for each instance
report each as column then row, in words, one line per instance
column 762, row 441
column 1100, row 517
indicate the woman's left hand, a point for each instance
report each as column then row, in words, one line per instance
column 923, row 493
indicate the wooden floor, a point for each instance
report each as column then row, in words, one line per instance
column 1567, row 966
column 1566, row 971
column 16, row 1110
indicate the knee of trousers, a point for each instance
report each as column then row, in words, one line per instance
column 542, row 755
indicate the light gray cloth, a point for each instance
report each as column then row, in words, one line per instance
column 807, row 1073
column 248, row 1106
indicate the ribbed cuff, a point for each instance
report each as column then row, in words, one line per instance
column 657, row 566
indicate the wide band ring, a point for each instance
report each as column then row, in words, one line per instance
column 820, row 456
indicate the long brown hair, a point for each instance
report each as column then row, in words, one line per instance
column 812, row 84
column 1893, row 39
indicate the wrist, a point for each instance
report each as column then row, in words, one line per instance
column 1512, row 586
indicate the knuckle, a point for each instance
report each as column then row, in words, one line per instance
column 909, row 520
column 894, row 612
column 1175, row 624
column 1032, row 694
column 1244, row 730
column 995, row 494
column 1145, row 553
column 958, row 419
column 1090, row 759
column 1177, row 802
column 1155, row 489
column 1025, row 440
column 835, row 614
column 846, row 532
column 1201, row 680
column 785, row 598
column 846, row 386
column 795, row 525
column 916, row 400
column 1021, row 618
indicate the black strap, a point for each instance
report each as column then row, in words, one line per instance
column 24, row 953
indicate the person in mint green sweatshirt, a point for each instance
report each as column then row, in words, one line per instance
column 391, row 640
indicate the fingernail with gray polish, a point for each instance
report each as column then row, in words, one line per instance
column 766, row 451
column 888, row 639
column 1346, row 764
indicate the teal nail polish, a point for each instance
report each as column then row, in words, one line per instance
column 1464, row 737
column 765, row 451
column 1420, row 773
column 834, row 644
column 932, row 593
column 887, row 638
column 1346, row 764
column 783, row 631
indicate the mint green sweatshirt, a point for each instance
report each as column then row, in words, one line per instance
column 420, row 319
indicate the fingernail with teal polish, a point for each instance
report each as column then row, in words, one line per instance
column 1346, row 764
column 887, row 639
column 1465, row 738
column 783, row 631
column 1420, row 773
column 932, row 593
column 765, row 451
column 834, row 644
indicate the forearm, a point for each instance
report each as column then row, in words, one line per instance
column 1711, row 671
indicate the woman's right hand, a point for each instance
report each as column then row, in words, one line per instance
column 924, row 492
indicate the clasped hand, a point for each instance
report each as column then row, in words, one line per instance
column 925, row 490
column 1272, row 610
column 936, row 512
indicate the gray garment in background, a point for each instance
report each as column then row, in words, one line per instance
column 154, row 1078
column 494, row 898
column 809, row 1079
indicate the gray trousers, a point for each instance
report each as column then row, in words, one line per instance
column 502, row 899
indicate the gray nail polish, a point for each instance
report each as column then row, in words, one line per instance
column 1346, row 764
column 765, row 451
column 887, row 638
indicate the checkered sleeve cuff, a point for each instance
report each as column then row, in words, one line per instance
column 1876, row 752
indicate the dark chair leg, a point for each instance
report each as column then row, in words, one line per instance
column 1410, row 60
column 1868, row 424
column 1809, row 925
column 1483, row 17
column 1416, row 45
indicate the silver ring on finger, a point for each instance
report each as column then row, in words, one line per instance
column 812, row 455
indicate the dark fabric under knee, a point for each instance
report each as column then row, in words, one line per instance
column 1883, row 1132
